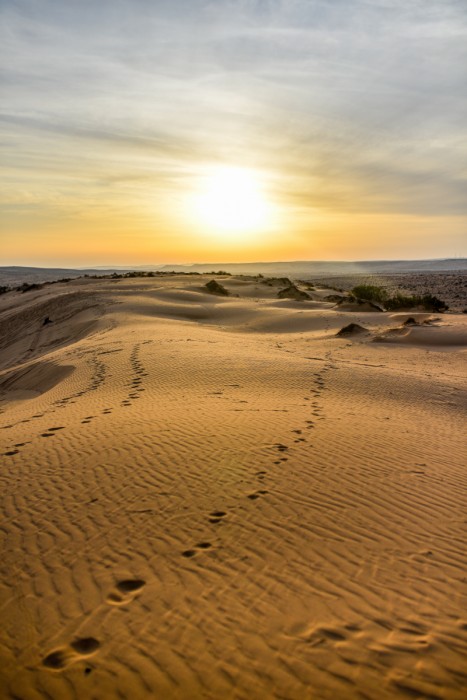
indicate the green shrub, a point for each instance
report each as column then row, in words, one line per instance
column 370, row 292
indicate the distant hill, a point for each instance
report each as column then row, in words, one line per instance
column 16, row 275
column 12, row 276
column 317, row 269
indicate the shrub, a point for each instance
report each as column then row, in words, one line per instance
column 432, row 303
column 370, row 292
column 25, row 287
column 216, row 288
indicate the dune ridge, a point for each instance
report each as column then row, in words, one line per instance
column 219, row 497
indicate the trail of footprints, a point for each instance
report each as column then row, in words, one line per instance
column 319, row 385
column 79, row 649
column 98, row 378
column 83, row 648
column 126, row 590
column 136, row 381
column 99, row 372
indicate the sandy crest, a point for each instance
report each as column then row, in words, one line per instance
column 213, row 497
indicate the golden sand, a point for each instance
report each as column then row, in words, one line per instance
column 218, row 498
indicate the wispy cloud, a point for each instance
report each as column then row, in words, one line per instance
column 357, row 105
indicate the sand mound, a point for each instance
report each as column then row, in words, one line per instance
column 352, row 329
column 277, row 281
column 292, row 292
column 426, row 336
column 418, row 317
column 336, row 298
column 358, row 305
column 214, row 287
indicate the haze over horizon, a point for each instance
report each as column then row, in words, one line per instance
column 187, row 132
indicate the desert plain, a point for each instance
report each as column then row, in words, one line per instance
column 219, row 497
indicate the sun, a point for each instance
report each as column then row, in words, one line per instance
column 232, row 202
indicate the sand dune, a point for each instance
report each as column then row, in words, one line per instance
column 209, row 497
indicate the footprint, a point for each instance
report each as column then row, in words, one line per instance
column 216, row 516
column 279, row 446
column 48, row 435
column 85, row 645
column 125, row 591
column 11, row 452
column 57, row 659
column 188, row 553
column 60, row 427
column 257, row 494
column 331, row 633
column 79, row 648
column 316, row 636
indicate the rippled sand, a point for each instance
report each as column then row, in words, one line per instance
column 209, row 497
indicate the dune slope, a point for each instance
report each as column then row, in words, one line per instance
column 220, row 498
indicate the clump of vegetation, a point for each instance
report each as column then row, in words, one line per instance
column 25, row 287
column 370, row 292
column 379, row 295
column 292, row 292
column 4, row 290
column 215, row 288
column 139, row 273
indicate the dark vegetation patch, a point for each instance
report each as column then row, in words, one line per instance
column 214, row 287
column 378, row 295
column 292, row 292
column 276, row 281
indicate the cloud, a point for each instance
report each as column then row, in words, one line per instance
column 357, row 105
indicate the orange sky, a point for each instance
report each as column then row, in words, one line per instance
column 347, row 118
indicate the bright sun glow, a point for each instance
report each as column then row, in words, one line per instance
column 232, row 202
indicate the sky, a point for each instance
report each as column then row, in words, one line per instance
column 158, row 131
